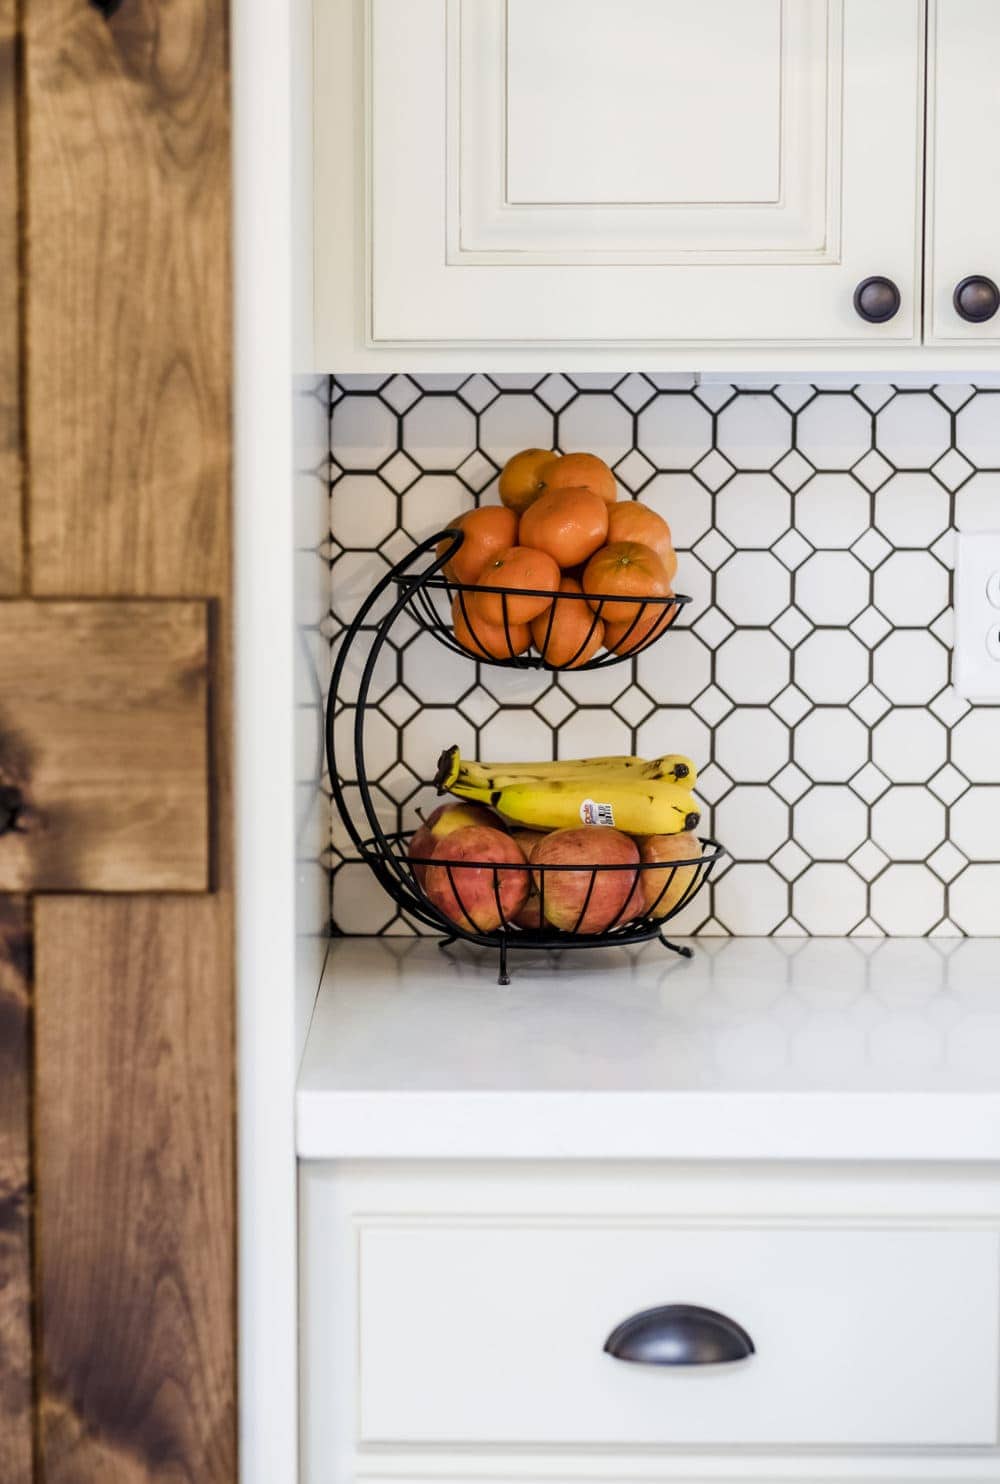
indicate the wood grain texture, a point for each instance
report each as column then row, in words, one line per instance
column 103, row 727
column 16, row 1426
column 135, row 1191
column 11, row 565
column 128, row 302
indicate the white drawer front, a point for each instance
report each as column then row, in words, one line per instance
column 485, row 1332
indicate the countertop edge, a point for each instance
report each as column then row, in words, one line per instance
column 531, row 1125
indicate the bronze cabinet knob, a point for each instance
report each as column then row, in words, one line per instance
column 976, row 298
column 877, row 299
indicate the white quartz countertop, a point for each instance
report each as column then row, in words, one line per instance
column 765, row 1048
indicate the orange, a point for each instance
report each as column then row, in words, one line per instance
column 568, row 635
column 485, row 640
column 631, row 520
column 489, row 530
column 570, row 524
column 626, row 638
column 586, row 469
column 629, row 571
column 519, row 479
column 516, row 568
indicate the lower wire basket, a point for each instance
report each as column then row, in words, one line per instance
column 513, row 905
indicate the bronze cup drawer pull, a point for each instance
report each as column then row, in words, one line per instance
column 679, row 1335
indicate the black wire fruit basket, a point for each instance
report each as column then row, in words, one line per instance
column 497, row 905
column 572, row 633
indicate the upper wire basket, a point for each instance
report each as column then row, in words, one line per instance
column 568, row 635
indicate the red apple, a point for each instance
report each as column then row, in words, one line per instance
column 484, row 896
column 530, row 915
column 612, row 900
column 662, row 890
column 442, row 821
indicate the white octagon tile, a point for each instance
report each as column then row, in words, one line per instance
column 911, row 588
column 975, row 901
column 977, row 504
column 363, row 433
column 515, row 735
column 513, row 422
column 683, row 503
column 832, row 511
column 975, row 823
column 594, row 733
column 753, row 588
column 752, row 745
column 439, row 433
column 913, row 430
column 362, row 510
column 675, row 431
column 830, row 745
column 751, row 900
column 752, row 822
column 912, row 510
column 834, row 431
column 832, row 587
column 908, row 823
column 753, row 510
column 910, row 667
column 831, row 666
column 752, row 666
column 829, row 900
column 977, row 430
column 830, row 822
column 975, row 749
column 431, row 502
column 596, row 424
column 910, row 745
column 907, row 901
column 754, row 431
column 675, row 670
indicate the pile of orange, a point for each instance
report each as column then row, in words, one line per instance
column 560, row 529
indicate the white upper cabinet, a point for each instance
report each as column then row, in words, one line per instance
column 647, row 182
column 963, row 174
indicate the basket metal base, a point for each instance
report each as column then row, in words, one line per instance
column 503, row 972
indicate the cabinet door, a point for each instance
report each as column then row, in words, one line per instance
column 641, row 172
column 963, row 164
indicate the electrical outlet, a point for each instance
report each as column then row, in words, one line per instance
column 977, row 616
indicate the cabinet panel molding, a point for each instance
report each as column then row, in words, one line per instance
column 714, row 143
column 104, row 732
column 134, row 1089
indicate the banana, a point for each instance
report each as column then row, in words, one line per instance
column 452, row 768
column 638, row 806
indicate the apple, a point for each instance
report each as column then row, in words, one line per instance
column 614, row 898
column 530, row 915
column 662, row 890
column 484, row 896
column 442, row 821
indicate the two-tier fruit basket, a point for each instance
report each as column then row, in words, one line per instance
column 506, row 903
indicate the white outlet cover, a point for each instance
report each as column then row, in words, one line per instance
column 977, row 616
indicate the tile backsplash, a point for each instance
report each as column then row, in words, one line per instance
column 856, row 792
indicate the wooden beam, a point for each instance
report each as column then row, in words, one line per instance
column 11, row 539
column 128, row 297
column 104, row 730
column 135, row 1192
column 16, row 1425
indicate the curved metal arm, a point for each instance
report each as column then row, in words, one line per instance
column 679, row 1335
column 393, row 881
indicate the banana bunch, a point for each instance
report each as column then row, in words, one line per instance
column 636, row 796
column 453, row 768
